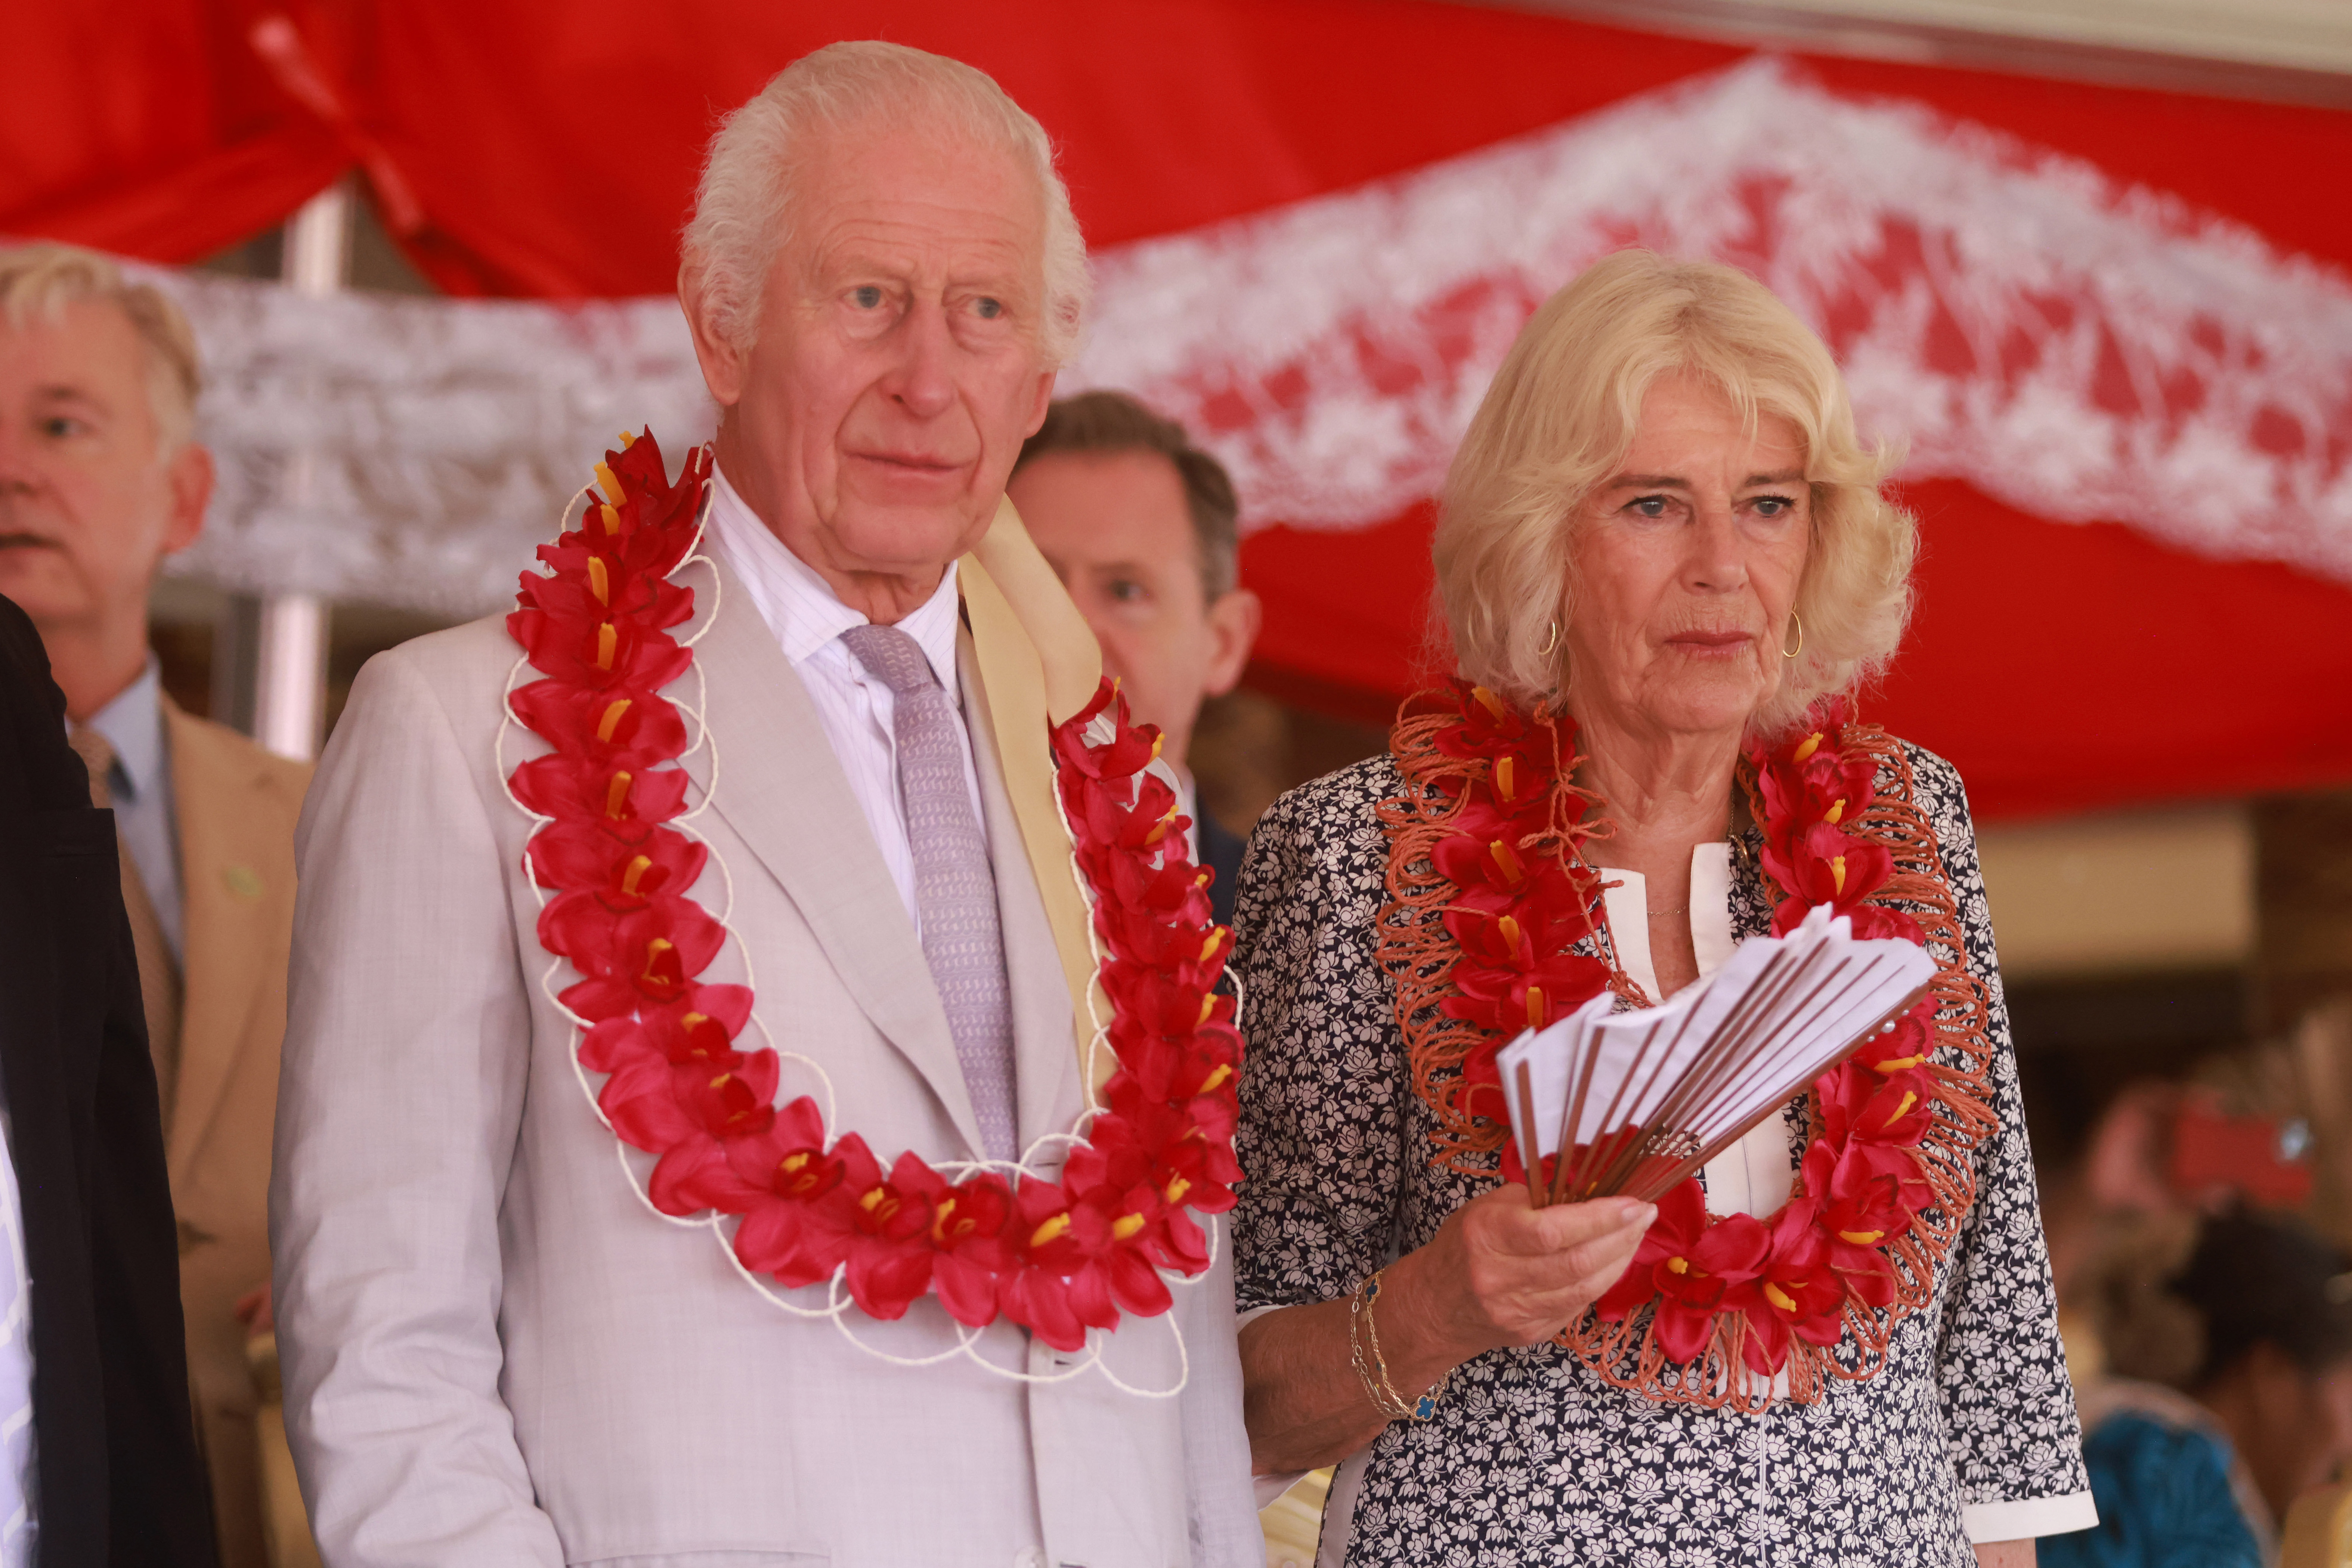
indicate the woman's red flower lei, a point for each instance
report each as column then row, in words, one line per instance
column 1488, row 839
column 1057, row 1258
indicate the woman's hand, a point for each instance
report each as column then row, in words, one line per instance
column 1501, row 1271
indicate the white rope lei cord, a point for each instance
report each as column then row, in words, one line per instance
column 838, row 1308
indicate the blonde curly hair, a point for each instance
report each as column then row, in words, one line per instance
column 1559, row 418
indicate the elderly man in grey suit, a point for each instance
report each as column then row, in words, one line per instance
column 496, row 1351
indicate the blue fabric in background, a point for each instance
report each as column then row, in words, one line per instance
column 2164, row 1500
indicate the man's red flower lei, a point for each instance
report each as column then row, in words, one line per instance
column 1057, row 1258
column 1489, row 892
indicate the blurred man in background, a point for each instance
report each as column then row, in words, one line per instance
column 101, row 478
column 1144, row 529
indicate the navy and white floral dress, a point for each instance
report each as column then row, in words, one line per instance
column 1968, row 1433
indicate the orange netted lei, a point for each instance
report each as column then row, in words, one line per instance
column 1489, row 894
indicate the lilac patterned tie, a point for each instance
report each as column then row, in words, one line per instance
column 955, row 887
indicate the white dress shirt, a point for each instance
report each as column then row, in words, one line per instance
column 19, row 1466
column 141, row 782
column 855, row 707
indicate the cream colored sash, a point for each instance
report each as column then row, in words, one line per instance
column 1040, row 664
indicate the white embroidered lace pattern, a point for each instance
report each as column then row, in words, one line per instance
column 2074, row 347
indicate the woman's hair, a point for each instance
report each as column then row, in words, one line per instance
column 39, row 281
column 744, row 209
column 1559, row 418
column 2186, row 1310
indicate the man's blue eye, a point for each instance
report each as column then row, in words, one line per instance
column 990, row 309
column 868, row 296
column 1651, row 506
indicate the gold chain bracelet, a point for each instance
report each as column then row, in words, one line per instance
column 1377, row 1385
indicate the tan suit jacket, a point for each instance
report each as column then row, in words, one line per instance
column 235, row 806
column 495, row 1354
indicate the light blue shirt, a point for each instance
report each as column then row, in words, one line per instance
column 141, row 786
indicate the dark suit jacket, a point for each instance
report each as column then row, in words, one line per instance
column 119, row 1479
column 1221, row 852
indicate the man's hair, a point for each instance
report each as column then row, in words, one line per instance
column 1107, row 422
column 39, row 281
column 744, row 210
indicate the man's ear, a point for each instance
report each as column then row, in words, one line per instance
column 1045, row 400
column 721, row 360
column 190, row 476
column 1233, row 622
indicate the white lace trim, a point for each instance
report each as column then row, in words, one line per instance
column 2075, row 347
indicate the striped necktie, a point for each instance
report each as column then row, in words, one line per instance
column 955, row 886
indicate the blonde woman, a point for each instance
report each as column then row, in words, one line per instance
column 1664, row 560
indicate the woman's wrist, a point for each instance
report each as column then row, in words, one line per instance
column 1419, row 1338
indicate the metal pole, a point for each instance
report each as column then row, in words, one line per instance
column 289, row 701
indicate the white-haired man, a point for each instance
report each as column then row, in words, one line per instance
column 497, row 1349
column 101, row 478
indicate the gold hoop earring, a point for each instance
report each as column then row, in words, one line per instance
column 1550, row 642
column 1799, row 621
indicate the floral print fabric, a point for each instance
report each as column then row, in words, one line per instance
column 1530, row 1459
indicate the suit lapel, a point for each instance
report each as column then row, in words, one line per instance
column 1045, row 1065
column 783, row 791
column 231, row 904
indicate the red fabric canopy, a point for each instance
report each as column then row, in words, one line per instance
column 549, row 147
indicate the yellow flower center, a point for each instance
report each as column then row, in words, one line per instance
column 613, row 491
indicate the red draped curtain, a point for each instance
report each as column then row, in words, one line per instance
column 548, row 148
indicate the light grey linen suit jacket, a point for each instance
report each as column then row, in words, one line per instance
column 495, row 1354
